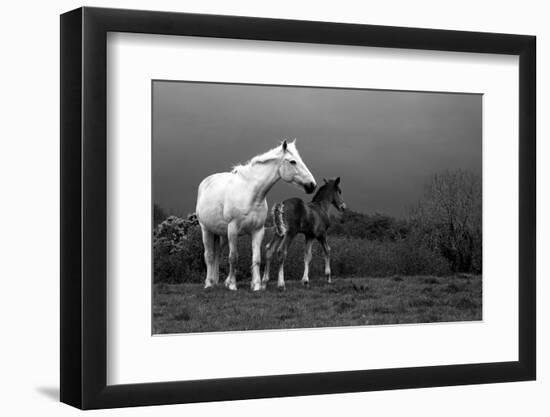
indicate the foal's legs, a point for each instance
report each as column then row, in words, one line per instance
column 208, row 240
column 232, row 236
column 326, row 249
column 257, row 238
column 283, row 250
column 271, row 248
column 307, row 260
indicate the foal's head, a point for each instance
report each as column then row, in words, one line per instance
column 330, row 191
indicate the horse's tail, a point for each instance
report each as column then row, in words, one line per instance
column 278, row 219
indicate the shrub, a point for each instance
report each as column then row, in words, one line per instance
column 178, row 251
column 178, row 256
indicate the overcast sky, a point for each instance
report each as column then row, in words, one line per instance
column 383, row 144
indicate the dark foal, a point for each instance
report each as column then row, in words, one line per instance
column 294, row 216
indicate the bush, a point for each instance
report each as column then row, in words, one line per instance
column 353, row 257
column 178, row 256
column 178, row 251
column 372, row 227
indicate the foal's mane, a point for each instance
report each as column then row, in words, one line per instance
column 321, row 193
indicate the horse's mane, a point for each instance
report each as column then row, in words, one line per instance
column 258, row 159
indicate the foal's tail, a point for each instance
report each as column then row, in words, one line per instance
column 278, row 219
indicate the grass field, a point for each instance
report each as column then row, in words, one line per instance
column 188, row 308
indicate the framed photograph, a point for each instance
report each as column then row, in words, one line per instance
column 258, row 208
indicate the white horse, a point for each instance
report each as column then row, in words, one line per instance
column 230, row 204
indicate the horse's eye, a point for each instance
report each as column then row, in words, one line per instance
column 292, row 162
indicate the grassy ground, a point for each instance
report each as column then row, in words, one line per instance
column 184, row 308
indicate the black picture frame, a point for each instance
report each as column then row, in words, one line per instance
column 84, row 207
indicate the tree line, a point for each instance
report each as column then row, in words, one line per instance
column 442, row 234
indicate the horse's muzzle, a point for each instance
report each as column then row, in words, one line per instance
column 310, row 187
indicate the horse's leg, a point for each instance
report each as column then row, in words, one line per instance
column 307, row 260
column 283, row 250
column 216, row 263
column 208, row 242
column 257, row 238
column 326, row 249
column 222, row 241
column 271, row 248
column 232, row 237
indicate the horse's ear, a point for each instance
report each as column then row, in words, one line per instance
column 337, row 181
column 284, row 145
column 325, row 180
column 294, row 141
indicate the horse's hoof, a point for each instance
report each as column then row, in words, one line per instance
column 263, row 286
column 281, row 287
column 256, row 287
column 305, row 283
column 231, row 286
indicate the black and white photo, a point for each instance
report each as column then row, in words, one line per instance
column 279, row 207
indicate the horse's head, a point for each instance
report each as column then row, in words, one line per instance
column 331, row 192
column 293, row 170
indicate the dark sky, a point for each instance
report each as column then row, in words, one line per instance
column 383, row 144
